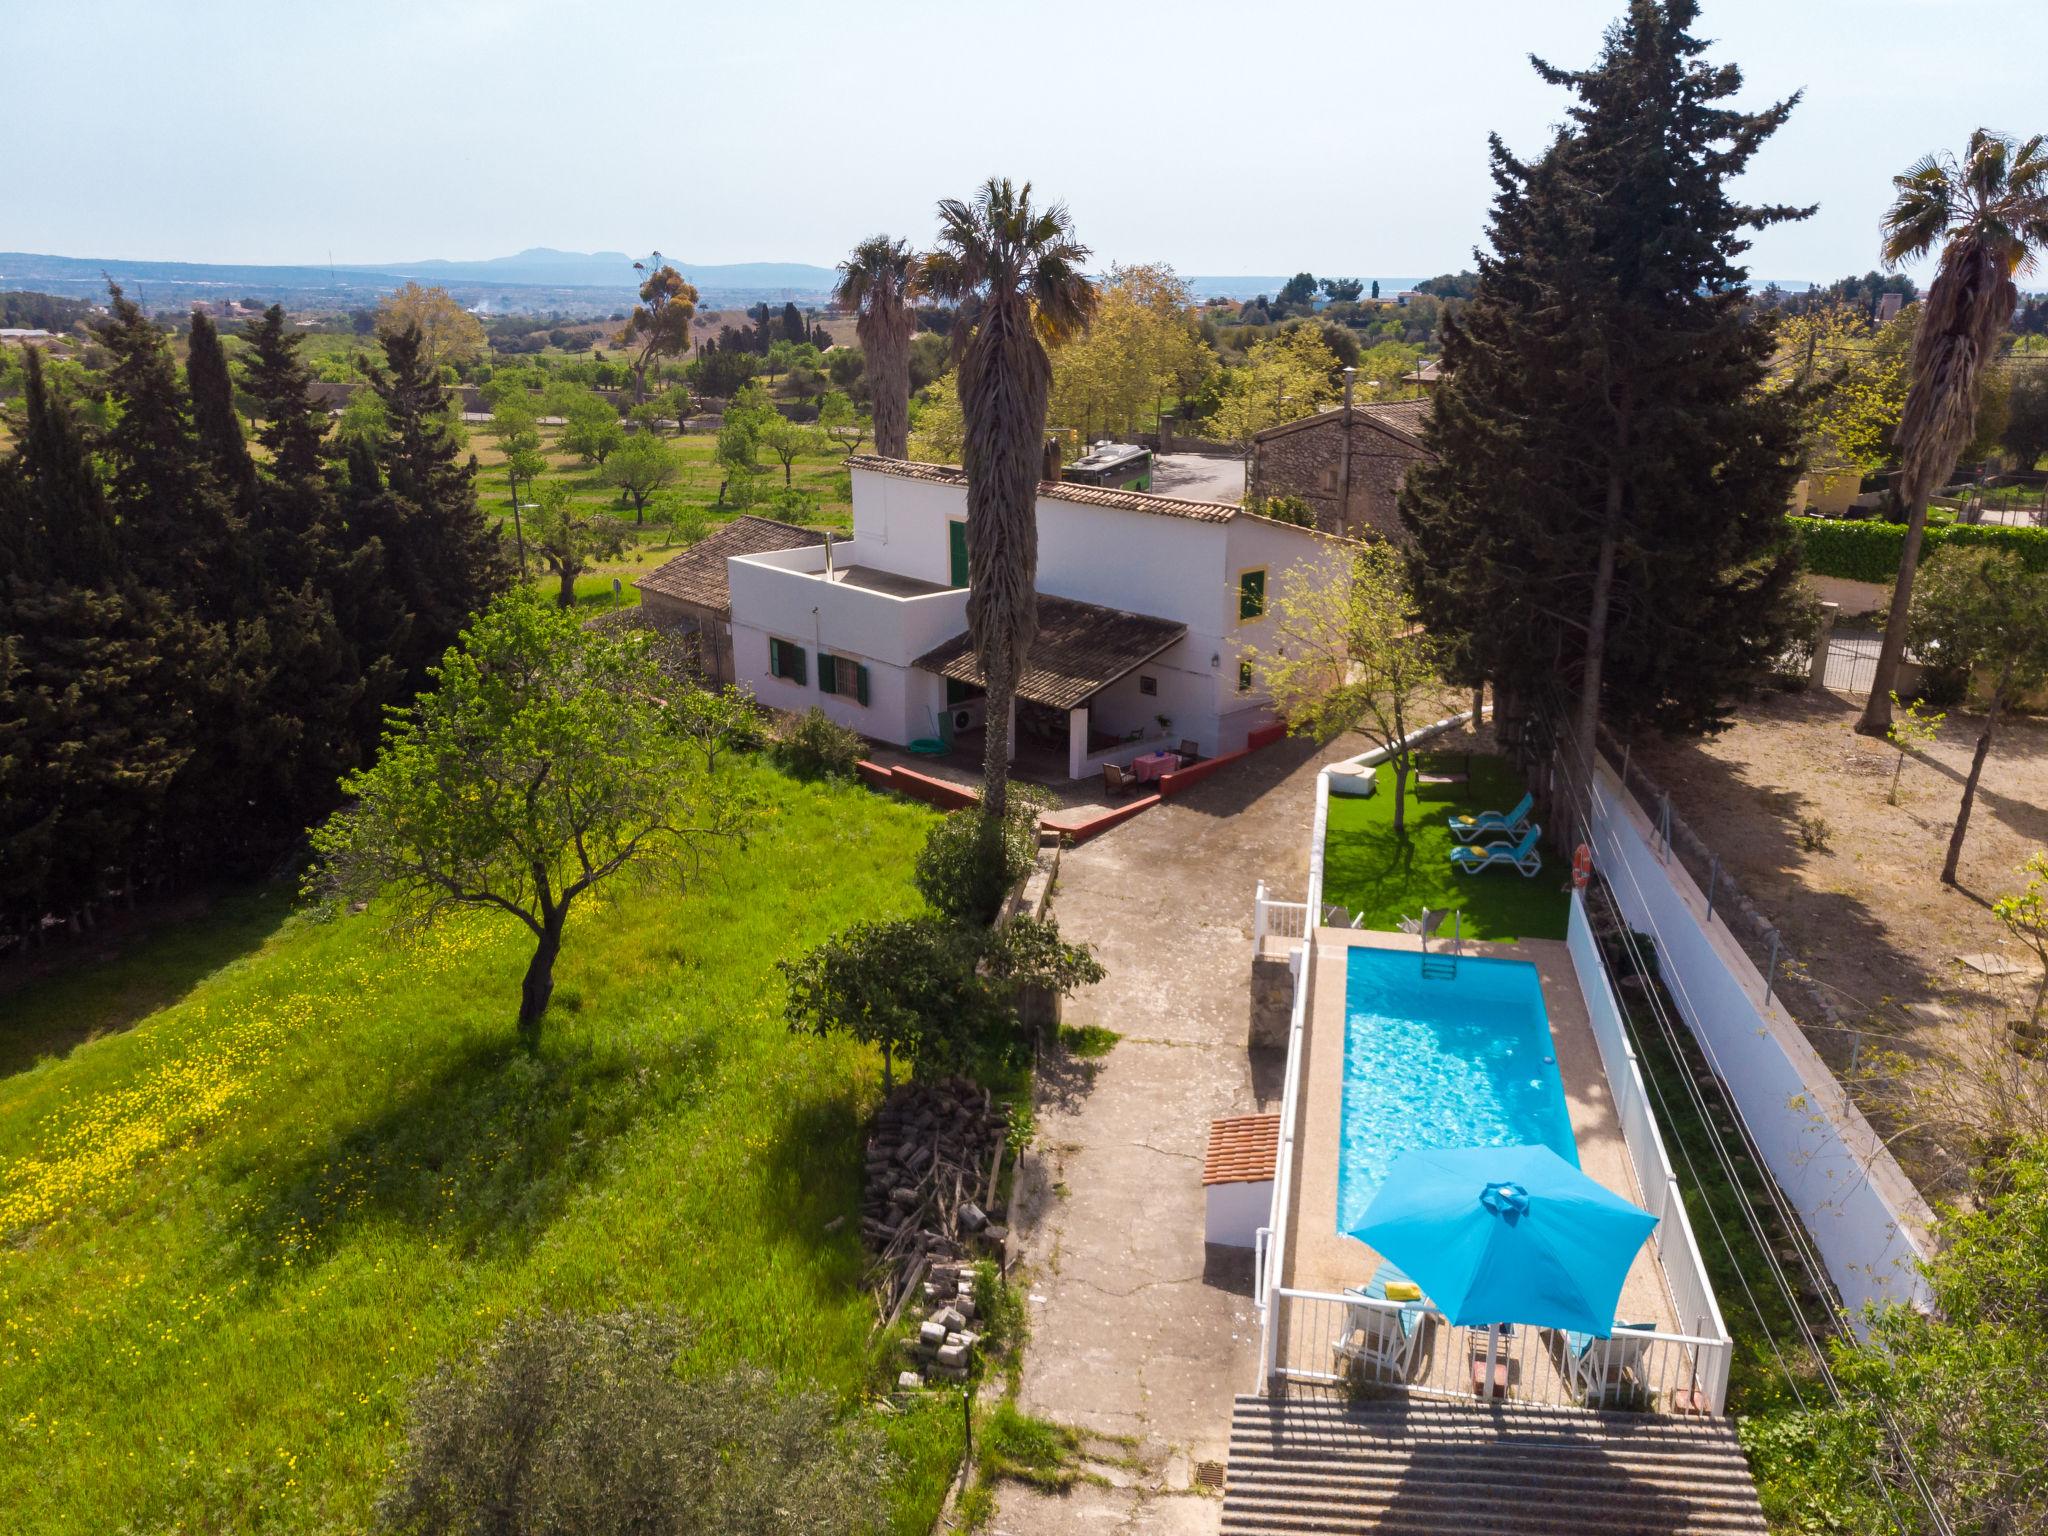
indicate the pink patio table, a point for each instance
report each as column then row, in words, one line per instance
column 1153, row 764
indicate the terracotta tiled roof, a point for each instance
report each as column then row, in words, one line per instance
column 1058, row 490
column 1242, row 1150
column 1080, row 648
column 697, row 575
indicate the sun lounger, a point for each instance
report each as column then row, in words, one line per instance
column 1506, row 823
column 1522, row 855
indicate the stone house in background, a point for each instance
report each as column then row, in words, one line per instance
column 691, row 596
column 1346, row 463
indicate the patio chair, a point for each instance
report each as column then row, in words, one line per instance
column 1507, row 823
column 1522, row 855
column 1187, row 752
column 1378, row 1342
column 1425, row 925
column 1600, row 1370
column 1117, row 781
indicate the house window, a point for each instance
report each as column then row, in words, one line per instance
column 1251, row 596
column 1244, row 677
column 1149, row 686
column 1329, row 479
column 845, row 678
column 786, row 661
column 956, row 536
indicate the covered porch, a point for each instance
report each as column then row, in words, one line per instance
column 1066, row 722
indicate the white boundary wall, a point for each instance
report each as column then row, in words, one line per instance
column 1678, row 1251
column 1868, row 1221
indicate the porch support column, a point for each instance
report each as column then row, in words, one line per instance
column 1077, row 740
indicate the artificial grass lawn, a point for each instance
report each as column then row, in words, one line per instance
column 233, row 1238
column 1368, row 869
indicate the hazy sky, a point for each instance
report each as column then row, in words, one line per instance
column 1224, row 138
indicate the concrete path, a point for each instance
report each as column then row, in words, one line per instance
column 1137, row 1329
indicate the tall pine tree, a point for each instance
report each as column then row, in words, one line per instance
column 443, row 558
column 1606, row 505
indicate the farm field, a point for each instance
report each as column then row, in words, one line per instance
column 239, row 1226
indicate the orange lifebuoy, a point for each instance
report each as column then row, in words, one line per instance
column 1582, row 866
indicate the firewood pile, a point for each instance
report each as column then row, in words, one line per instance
column 934, row 1161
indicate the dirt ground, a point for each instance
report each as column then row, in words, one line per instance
column 1866, row 915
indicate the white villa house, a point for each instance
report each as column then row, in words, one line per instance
column 1149, row 607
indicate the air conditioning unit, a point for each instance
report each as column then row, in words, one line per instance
column 965, row 716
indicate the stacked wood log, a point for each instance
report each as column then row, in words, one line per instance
column 934, row 1160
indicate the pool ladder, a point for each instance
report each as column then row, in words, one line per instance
column 1442, row 966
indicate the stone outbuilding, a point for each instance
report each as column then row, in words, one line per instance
column 690, row 595
column 1346, row 463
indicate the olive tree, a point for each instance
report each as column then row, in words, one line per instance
column 1981, row 610
column 1350, row 655
column 560, row 1424
column 542, row 762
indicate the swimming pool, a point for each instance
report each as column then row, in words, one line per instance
column 1442, row 1062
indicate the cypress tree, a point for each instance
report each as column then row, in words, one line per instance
column 177, row 529
column 444, row 558
column 1607, row 501
column 93, row 727
column 214, row 422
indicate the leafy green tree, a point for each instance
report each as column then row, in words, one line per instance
column 1982, row 609
column 737, row 453
column 1989, row 214
column 567, row 538
column 955, row 874
column 841, row 425
column 362, row 420
column 1349, row 655
column 1342, row 290
column 941, row 995
column 938, row 429
column 1283, row 378
column 1298, row 289
column 787, row 441
column 1018, row 270
column 2025, row 915
column 643, row 465
column 2026, row 417
column 590, row 426
column 214, row 422
column 1912, row 726
column 540, row 764
column 1605, row 506
column 659, row 324
column 1957, row 1378
column 560, row 1424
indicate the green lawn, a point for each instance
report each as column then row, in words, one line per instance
column 1368, row 869
column 234, row 1236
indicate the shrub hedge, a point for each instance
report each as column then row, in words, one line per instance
column 1869, row 551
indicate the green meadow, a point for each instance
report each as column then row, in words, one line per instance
column 303, row 1162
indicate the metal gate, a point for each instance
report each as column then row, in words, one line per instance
column 1852, row 660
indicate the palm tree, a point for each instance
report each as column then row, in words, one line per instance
column 1016, row 272
column 1989, row 213
column 876, row 283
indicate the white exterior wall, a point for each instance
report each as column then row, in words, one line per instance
column 777, row 595
column 1140, row 562
column 1235, row 1212
column 1865, row 1216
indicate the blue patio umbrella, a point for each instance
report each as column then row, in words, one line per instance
column 1507, row 1235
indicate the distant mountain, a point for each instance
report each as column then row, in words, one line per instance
column 608, row 269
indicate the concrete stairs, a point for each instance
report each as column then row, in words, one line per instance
column 1314, row 1462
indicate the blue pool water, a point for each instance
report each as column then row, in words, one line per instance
column 1441, row 1062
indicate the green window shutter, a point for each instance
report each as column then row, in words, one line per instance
column 1251, row 595
column 828, row 673
column 860, row 683
column 797, row 673
column 774, row 657
column 957, row 534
